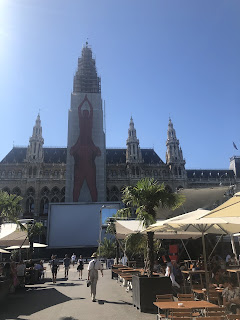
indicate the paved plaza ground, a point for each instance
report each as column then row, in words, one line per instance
column 70, row 300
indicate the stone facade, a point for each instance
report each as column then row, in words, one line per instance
column 38, row 173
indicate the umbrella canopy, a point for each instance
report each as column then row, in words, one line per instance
column 4, row 251
column 127, row 227
column 229, row 209
column 35, row 245
column 16, row 238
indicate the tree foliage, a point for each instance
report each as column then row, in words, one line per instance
column 145, row 197
column 107, row 248
column 10, row 207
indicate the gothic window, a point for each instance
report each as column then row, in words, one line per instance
column 55, row 191
column 114, row 198
column 137, row 171
column 155, row 173
column 30, row 205
column 16, row 191
column 3, row 174
column 114, row 189
column 30, row 172
column 133, row 171
column 175, row 171
column 55, row 174
column 34, row 171
column 45, row 191
column 164, row 173
column 30, row 191
column 63, row 199
column 55, row 199
column 179, row 171
column 9, row 174
column 19, row 174
column 44, row 204
column 6, row 189
column 63, row 191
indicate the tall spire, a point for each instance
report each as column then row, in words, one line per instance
column 86, row 79
column 174, row 156
column 133, row 153
column 36, row 141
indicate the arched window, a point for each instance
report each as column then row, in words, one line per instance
column 137, row 171
column 19, row 174
column 30, row 172
column 6, row 189
column 63, row 191
column 63, row 199
column 44, row 204
column 16, row 191
column 55, row 191
column 30, row 192
column 45, row 191
column 55, row 199
column 179, row 171
column 9, row 174
column 3, row 174
column 34, row 171
column 114, row 189
column 133, row 171
column 30, row 205
column 175, row 171
column 114, row 198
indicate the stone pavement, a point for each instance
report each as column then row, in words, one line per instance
column 70, row 300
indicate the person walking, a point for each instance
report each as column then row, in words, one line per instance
column 66, row 263
column 80, row 267
column 73, row 259
column 54, row 267
column 93, row 267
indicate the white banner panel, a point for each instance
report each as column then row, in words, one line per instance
column 75, row 224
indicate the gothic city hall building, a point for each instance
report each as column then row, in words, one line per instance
column 87, row 171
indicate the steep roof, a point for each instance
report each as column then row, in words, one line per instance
column 119, row 156
column 59, row 155
column 51, row 155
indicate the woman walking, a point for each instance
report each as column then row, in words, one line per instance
column 80, row 267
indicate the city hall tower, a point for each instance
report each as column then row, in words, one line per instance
column 86, row 149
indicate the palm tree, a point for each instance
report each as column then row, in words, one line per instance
column 10, row 207
column 33, row 230
column 146, row 196
column 107, row 248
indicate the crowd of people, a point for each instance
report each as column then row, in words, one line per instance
column 21, row 273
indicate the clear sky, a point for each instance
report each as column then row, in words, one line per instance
column 155, row 58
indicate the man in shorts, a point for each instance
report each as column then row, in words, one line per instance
column 66, row 263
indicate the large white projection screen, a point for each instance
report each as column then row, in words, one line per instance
column 75, row 225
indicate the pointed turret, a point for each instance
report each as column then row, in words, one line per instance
column 174, row 155
column 133, row 154
column 86, row 79
column 35, row 150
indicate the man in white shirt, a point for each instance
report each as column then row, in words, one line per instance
column 73, row 259
column 93, row 267
column 21, row 269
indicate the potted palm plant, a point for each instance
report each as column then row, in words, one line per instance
column 145, row 197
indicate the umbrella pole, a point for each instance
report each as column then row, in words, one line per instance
column 205, row 266
column 234, row 248
column 186, row 250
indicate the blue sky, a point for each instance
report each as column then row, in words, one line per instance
column 155, row 58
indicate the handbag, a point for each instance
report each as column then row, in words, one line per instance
column 88, row 283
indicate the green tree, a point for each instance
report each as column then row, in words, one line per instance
column 107, row 248
column 136, row 244
column 33, row 230
column 146, row 196
column 10, row 207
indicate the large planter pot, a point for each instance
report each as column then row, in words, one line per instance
column 145, row 290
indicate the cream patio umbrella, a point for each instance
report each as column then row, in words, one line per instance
column 229, row 211
column 196, row 222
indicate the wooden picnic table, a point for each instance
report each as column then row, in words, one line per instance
column 168, row 305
